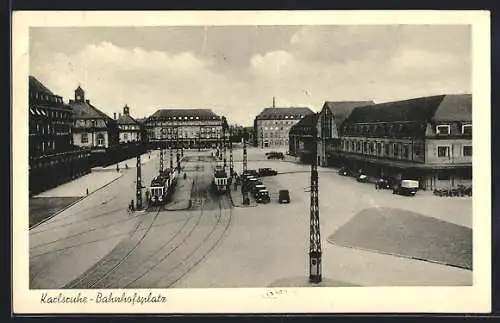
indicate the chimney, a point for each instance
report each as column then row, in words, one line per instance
column 114, row 115
column 274, row 102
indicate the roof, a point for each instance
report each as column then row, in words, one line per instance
column 418, row 109
column 280, row 113
column 454, row 107
column 307, row 123
column 85, row 110
column 342, row 109
column 424, row 109
column 126, row 119
column 169, row 114
column 37, row 86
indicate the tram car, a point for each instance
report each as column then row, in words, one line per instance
column 221, row 182
column 162, row 187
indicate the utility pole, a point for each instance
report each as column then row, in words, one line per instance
column 177, row 151
column 314, row 233
column 246, row 200
column 224, row 126
column 231, row 163
column 161, row 150
column 139, row 184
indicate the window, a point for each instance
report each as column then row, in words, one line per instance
column 386, row 149
column 125, row 136
column 395, row 147
column 443, row 151
column 365, row 147
column 352, row 146
column 467, row 129
column 100, row 140
column 406, row 151
column 467, row 150
column 443, row 130
column 379, row 148
column 85, row 138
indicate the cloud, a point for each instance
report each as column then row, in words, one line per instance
column 313, row 65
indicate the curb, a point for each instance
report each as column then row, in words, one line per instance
column 70, row 205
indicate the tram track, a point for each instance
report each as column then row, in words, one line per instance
column 114, row 259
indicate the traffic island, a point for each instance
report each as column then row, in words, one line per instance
column 303, row 281
column 236, row 198
column 181, row 199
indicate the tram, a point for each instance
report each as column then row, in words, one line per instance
column 221, row 181
column 162, row 187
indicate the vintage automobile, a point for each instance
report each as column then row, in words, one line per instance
column 276, row 155
column 251, row 172
column 256, row 188
column 267, row 172
column 344, row 171
column 406, row 187
column 262, row 196
column 283, row 196
column 384, row 183
column 362, row 178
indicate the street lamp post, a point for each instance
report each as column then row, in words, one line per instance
column 177, row 151
column 139, row 184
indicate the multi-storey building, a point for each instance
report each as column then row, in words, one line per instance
column 301, row 138
column 92, row 128
column 428, row 138
column 53, row 159
column 272, row 126
column 329, row 123
column 190, row 128
column 129, row 129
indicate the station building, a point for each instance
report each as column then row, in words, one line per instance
column 329, row 122
column 272, row 126
column 53, row 159
column 301, row 143
column 187, row 128
column 427, row 138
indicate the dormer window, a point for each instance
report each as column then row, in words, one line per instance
column 286, row 117
column 467, row 129
column 175, row 118
column 443, row 130
column 197, row 118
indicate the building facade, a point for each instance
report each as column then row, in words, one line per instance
column 187, row 128
column 428, row 139
column 272, row 126
column 301, row 138
column 129, row 130
column 330, row 121
column 52, row 157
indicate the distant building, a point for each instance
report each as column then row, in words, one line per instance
column 190, row 128
column 427, row 138
column 272, row 125
column 52, row 157
column 92, row 128
column 330, row 121
column 301, row 143
column 129, row 129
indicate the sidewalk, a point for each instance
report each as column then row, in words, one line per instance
column 181, row 199
column 79, row 186
column 131, row 162
column 236, row 198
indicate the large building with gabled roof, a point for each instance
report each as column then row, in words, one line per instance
column 53, row 159
column 92, row 128
column 428, row 139
column 272, row 125
column 129, row 129
column 187, row 128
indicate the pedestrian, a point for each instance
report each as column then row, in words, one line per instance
column 87, row 191
column 126, row 166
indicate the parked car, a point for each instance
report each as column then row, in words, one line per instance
column 267, row 172
column 344, row 171
column 275, row 155
column 251, row 172
column 283, row 196
column 362, row 178
column 406, row 187
column 384, row 183
column 262, row 196
column 256, row 188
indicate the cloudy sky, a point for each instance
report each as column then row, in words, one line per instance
column 236, row 71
